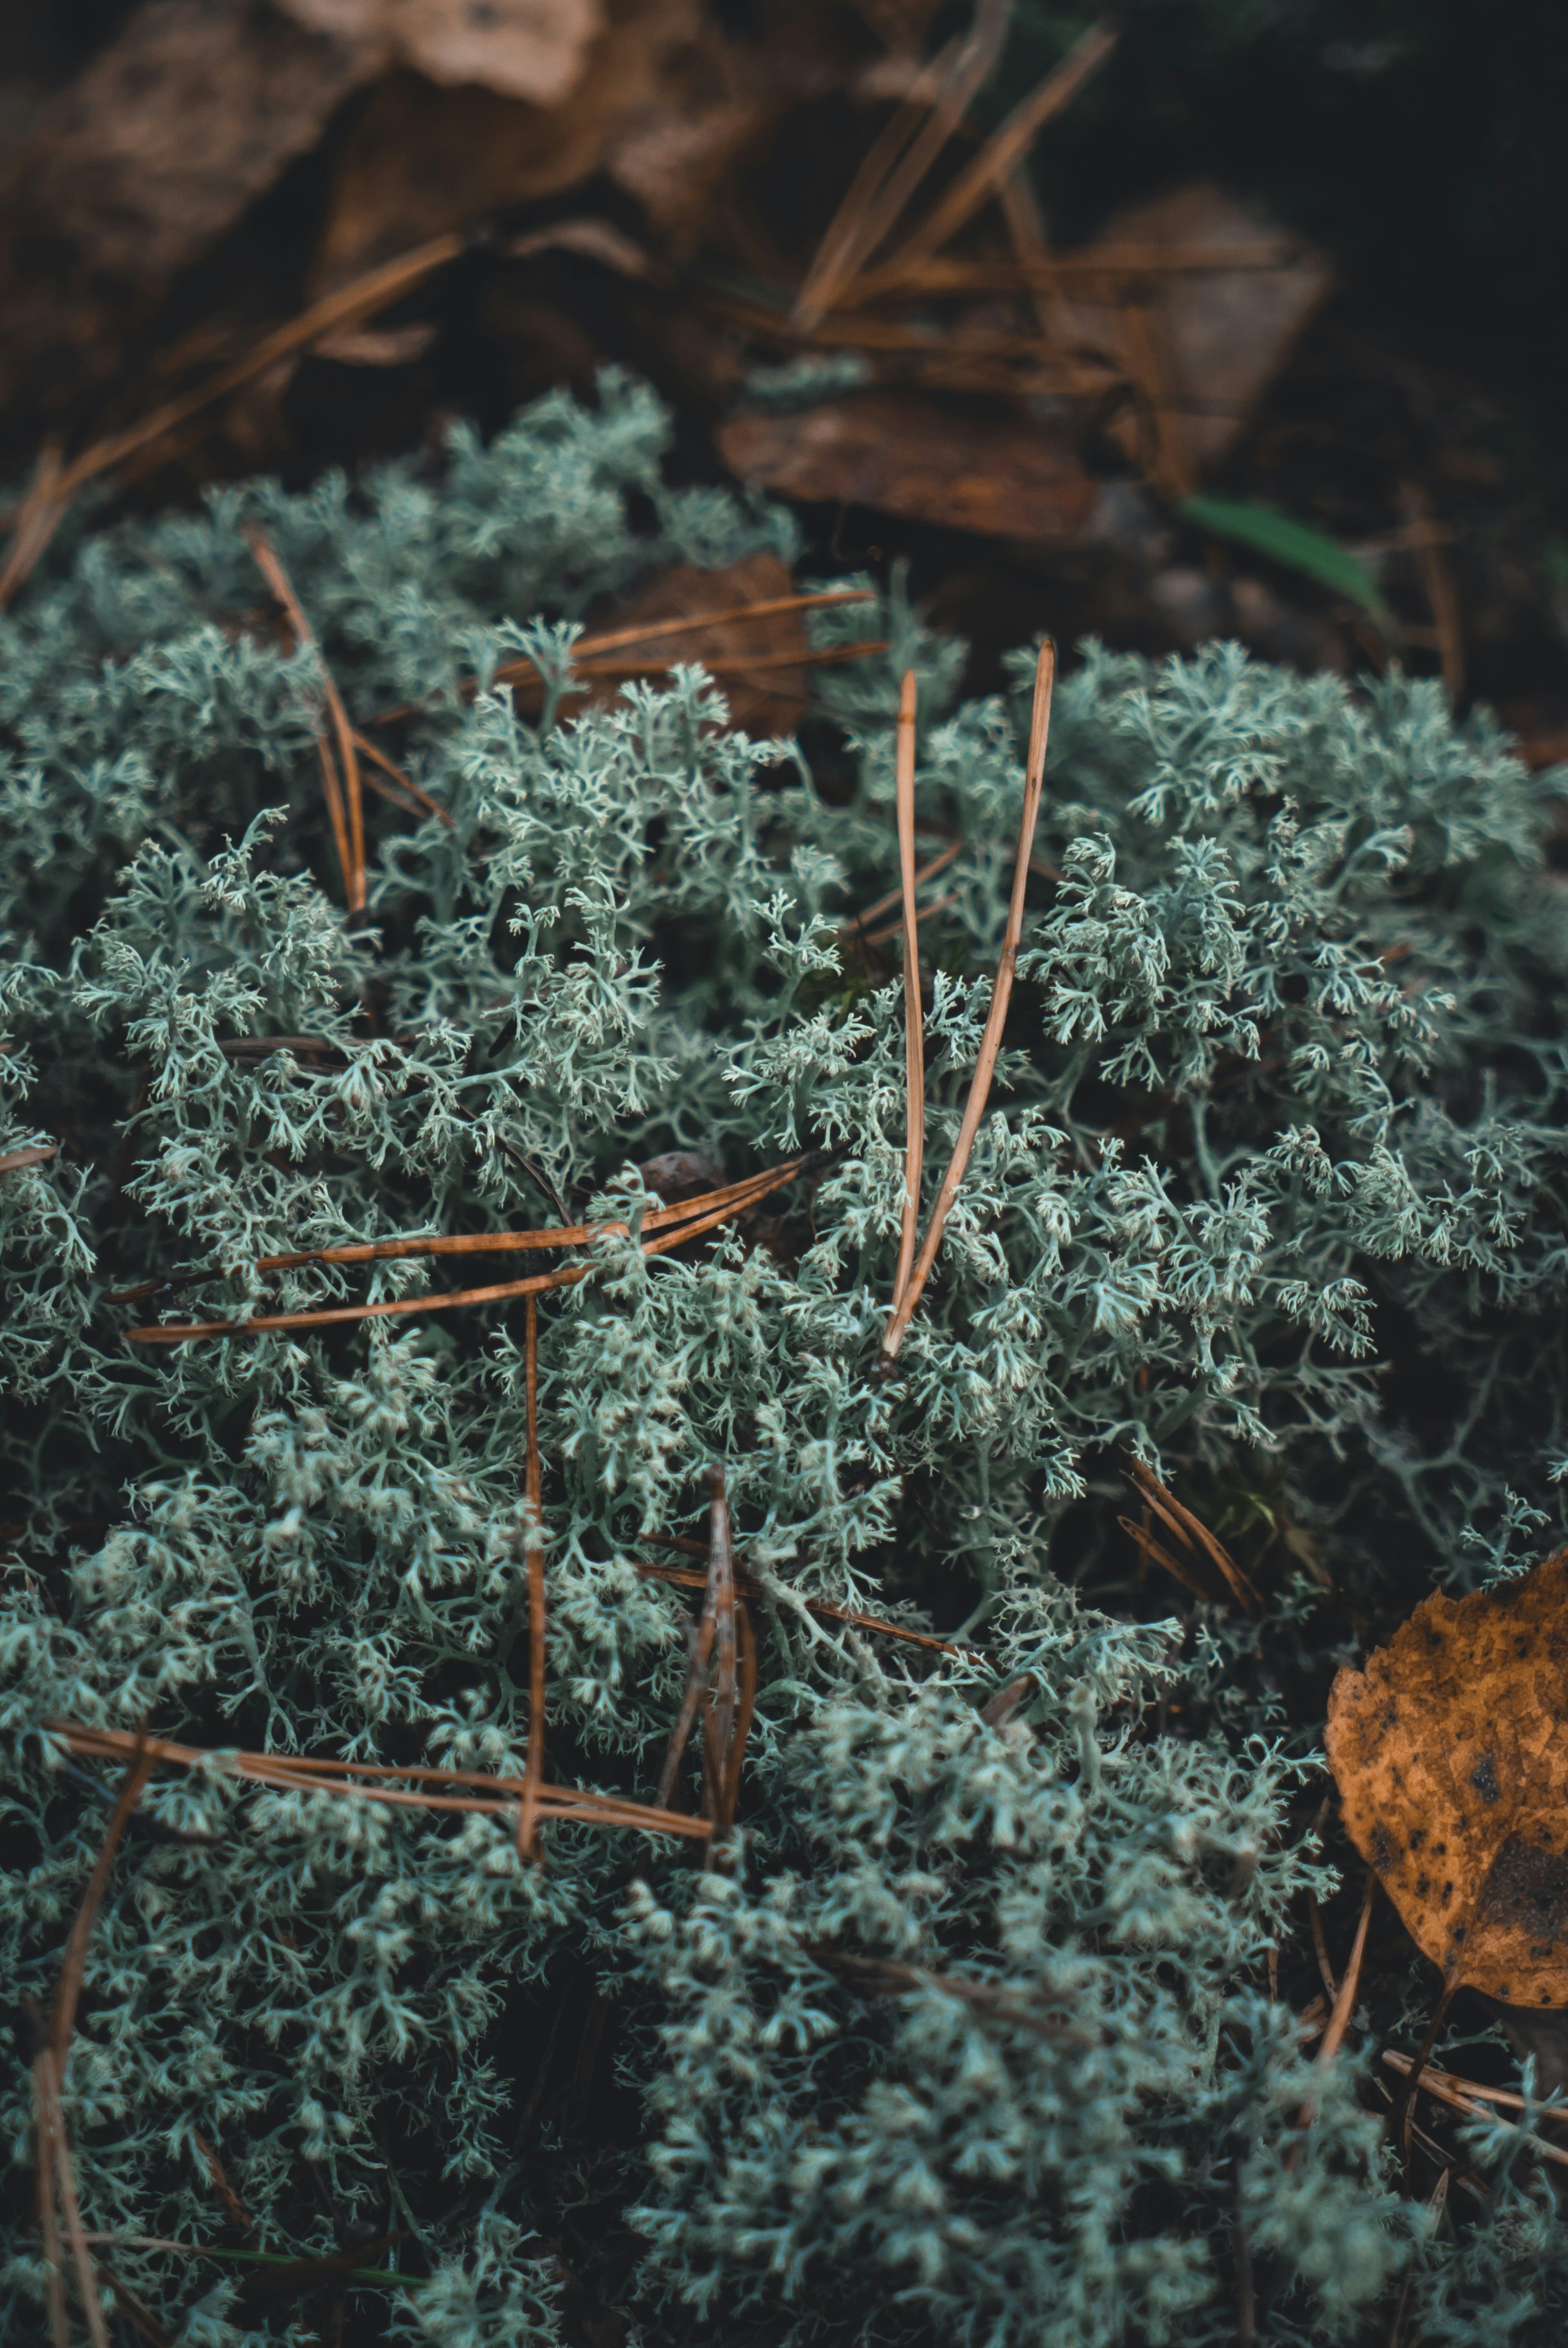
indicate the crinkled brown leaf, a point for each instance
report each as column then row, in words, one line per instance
column 1451, row 1752
column 1006, row 477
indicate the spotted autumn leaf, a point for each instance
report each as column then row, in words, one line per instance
column 1450, row 1752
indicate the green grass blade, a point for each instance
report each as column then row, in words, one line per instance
column 1293, row 543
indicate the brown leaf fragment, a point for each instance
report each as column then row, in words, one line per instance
column 1003, row 477
column 1450, row 1752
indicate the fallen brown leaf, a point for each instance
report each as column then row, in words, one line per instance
column 138, row 168
column 1450, row 1752
column 528, row 49
column 906, row 454
column 1200, row 346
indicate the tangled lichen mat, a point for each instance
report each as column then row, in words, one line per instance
column 974, row 2025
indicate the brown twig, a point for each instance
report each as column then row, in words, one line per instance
column 856, row 926
column 729, row 1206
column 1035, row 268
column 721, row 1701
column 745, row 1709
column 525, row 670
column 742, row 664
column 46, row 2120
column 57, row 2174
column 888, row 1977
column 1158, row 1554
column 48, row 2070
column 1001, row 996
column 36, row 519
column 63, row 2014
column 1433, row 2078
column 138, row 2314
column 926, row 913
column 715, row 1706
column 1472, row 2102
column 696, row 1682
column 609, row 640
column 1245, row 2288
column 914, row 1014
column 347, row 811
column 528, row 1835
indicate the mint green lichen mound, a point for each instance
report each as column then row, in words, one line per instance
column 971, row 2040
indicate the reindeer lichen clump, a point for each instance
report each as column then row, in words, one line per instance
column 965, row 2029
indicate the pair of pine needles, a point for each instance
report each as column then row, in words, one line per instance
column 349, row 760
column 671, row 1227
column 424, row 1789
column 915, row 1258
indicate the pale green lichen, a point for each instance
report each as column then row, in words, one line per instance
column 1284, row 1090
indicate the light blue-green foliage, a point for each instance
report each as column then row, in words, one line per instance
column 969, row 2037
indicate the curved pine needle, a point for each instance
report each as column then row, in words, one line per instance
column 347, row 812
column 417, row 801
column 914, row 1013
column 1001, row 996
column 527, row 1811
column 46, row 2121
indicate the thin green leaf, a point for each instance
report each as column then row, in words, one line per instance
column 1293, row 544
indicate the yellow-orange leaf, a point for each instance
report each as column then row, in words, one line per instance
column 1451, row 1752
